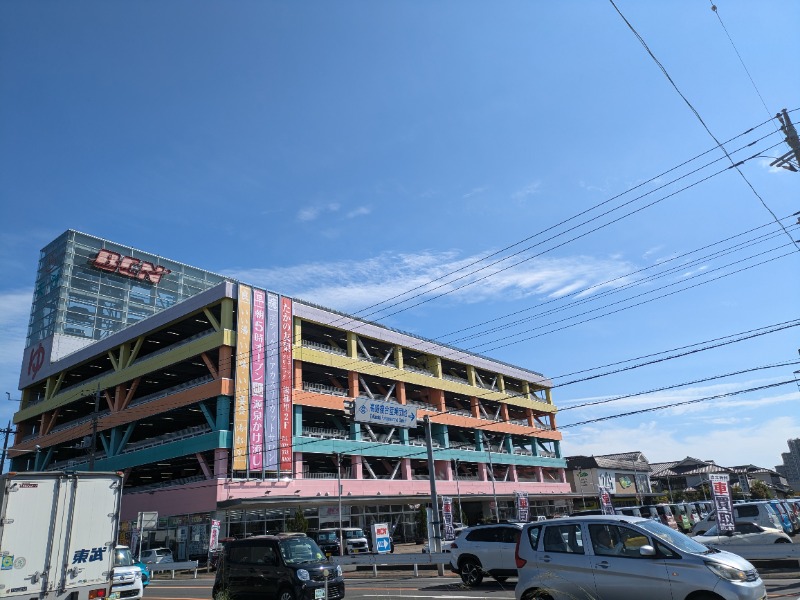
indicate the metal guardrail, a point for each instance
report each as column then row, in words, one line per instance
column 384, row 560
column 188, row 565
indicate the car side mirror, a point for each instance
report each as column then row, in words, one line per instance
column 647, row 550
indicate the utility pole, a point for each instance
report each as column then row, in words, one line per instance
column 792, row 139
column 437, row 535
column 94, row 429
column 339, row 482
column 6, row 432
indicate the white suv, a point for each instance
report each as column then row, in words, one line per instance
column 156, row 555
column 126, row 581
column 485, row 549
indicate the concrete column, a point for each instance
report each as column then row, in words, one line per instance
column 400, row 391
column 398, row 357
column 473, row 408
column 352, row 345
column 357, row 470
column 504, row 411
column 405, row 466
column 352, row 383
column 444, row 470
column 220, row 462
column 483, row 472
column 501, row 383
column 539, row 474
column 298, row 375
column 298, row 465
column 297, row 422
column 223, row 417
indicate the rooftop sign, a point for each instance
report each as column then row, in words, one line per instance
column 135, row 268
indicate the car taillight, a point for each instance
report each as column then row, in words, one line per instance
column 517, row 558
column 98, row 593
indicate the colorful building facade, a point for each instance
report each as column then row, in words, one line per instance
column 218, row 399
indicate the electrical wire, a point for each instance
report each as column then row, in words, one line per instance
column 735, row 165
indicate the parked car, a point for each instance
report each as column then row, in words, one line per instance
column 485, row 549
column 744, row 533
column 661, row 513
column 327, row 540
column 156, row 555
column 631, row 511
column 683, row 517
column 126, row 579
column 276, row 567
column 145, row 572
column 616, row 557
column 783, row 516
column 759, row 512
column 794, row 521
column 355, row 540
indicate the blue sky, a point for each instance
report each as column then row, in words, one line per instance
column 348, row 152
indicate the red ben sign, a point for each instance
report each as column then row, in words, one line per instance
column 114, row 262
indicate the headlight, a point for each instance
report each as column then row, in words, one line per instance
column 726, row 572
column 338, row 570
column 303, row 575
column 138, row 574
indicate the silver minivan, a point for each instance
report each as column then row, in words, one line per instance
column 758, row 512
column 616, row 557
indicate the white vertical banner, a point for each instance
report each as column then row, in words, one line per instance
column 606, row 505
column 521, row 502
column 447, row 515
column 722, row 501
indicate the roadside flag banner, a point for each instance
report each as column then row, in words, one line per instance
column 213, row 539
column 722, row 501
column 521, row 502
column 604, row 495
column 447, row 514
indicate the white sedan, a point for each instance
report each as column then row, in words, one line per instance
column 744, row 533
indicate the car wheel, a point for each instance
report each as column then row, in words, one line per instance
column 286, row 594
column 537, row 595
column 782, row 541
column 471, row 573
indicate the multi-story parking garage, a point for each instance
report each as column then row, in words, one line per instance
column 220, row 400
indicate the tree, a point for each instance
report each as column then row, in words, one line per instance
column 298, row 522
column 760, row 491
column 422, row 522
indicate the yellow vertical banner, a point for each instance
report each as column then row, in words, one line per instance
column 241, row 401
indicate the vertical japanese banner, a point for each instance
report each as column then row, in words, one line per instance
column 241, row 401
column 257, row 361
column 722, row 501
column 213, row 538
column 287, row 335
column 521, row 502
column 604, row 495
column 272, row 387
column 447, row 514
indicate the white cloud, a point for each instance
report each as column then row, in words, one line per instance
column 359, row 212
column 310, row 213
column 474, row 192
column 531, row 189
column 346, row 285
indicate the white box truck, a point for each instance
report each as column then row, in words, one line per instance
column 58, row 531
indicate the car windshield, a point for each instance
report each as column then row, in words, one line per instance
column 353, row 533
column 122, row 557
column 327, row 536
column 676, row 538
column 301, row 550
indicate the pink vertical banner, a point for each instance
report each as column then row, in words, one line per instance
column 287, row 335
column 257, row 365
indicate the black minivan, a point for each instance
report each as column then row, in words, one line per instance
column 276, row 567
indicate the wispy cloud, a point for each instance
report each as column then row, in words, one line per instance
column 345, row 284
column 531, row 189
column 474, row 192
column 310, row 213
column 361, row 211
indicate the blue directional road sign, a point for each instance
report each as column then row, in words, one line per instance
column 384, row 412
column 380, row 533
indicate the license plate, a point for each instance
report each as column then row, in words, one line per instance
column 319, row 593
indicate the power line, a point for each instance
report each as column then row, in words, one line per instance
column 735, row 165
column 680, row 385
column 673, row 405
